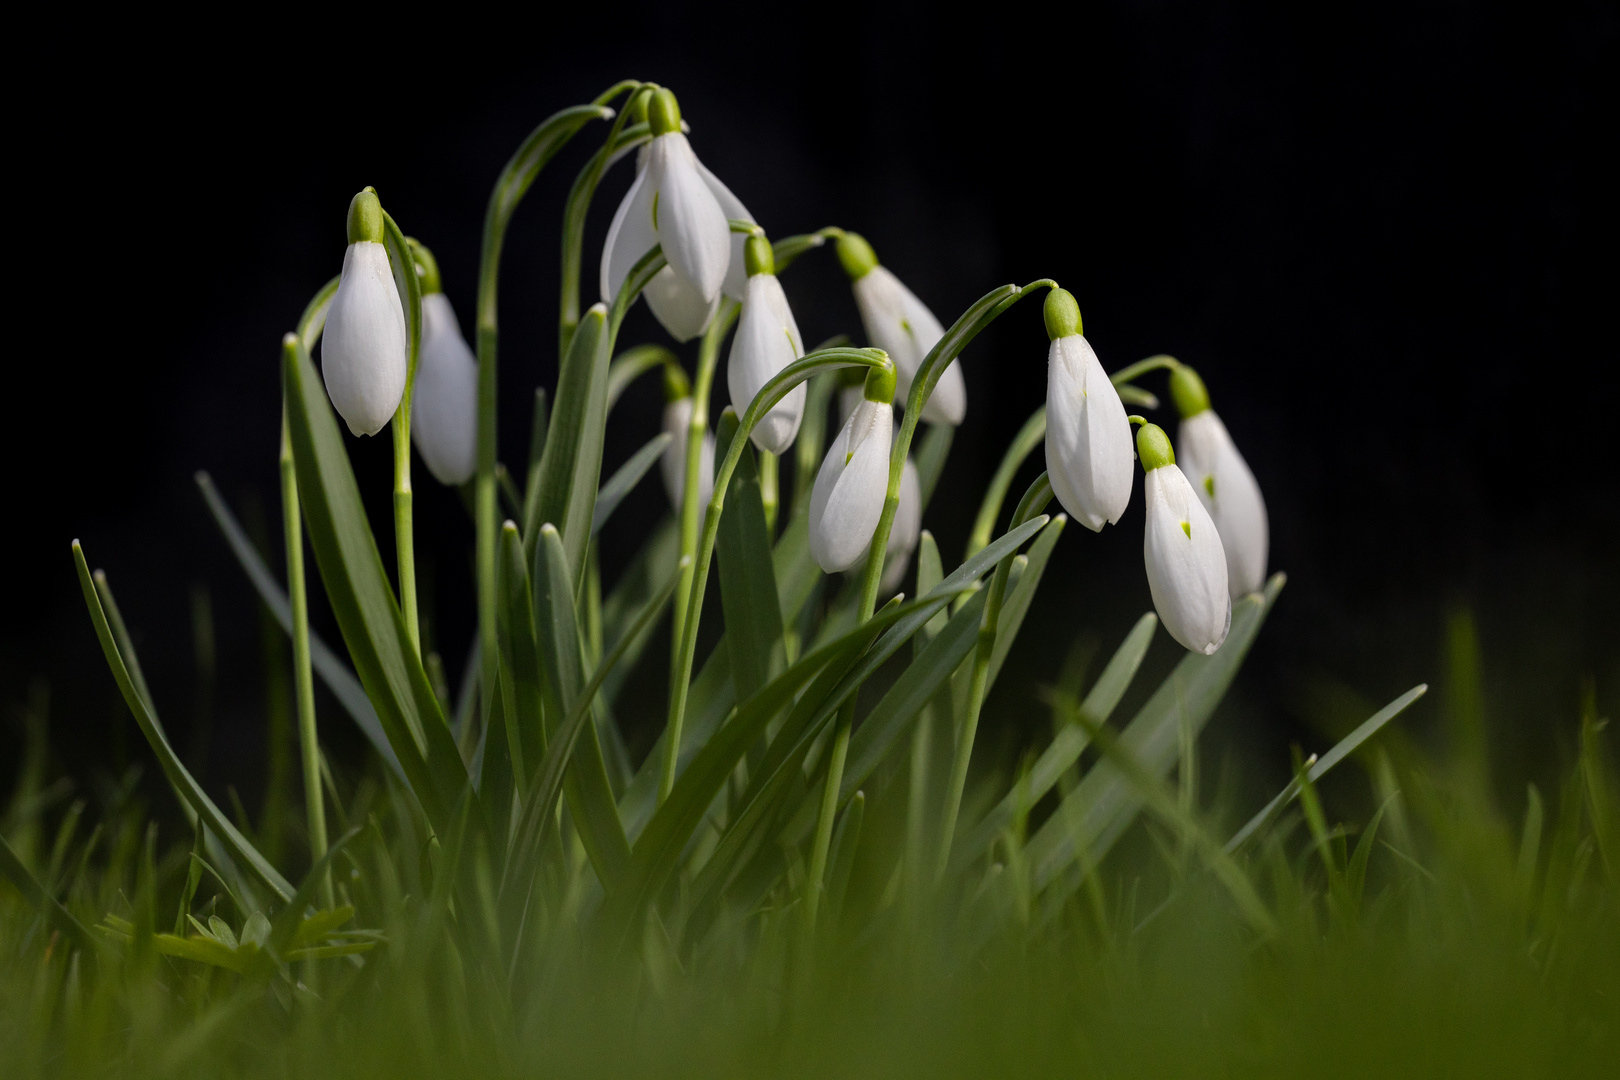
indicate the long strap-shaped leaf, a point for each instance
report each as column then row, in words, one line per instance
column 333, row 671
column 362, row 600
column 590, row 796
column 522, row 684
column 13, row 869
column 240, row 847
column 571, row 466
column 625, row 478
column 1093, row 816
column 747, row 578
column 1067, row 745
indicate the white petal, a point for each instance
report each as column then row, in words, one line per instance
column 444, row 405
column 629, row 237
column 881, row 300
column 905, row 531
column 363, row 357
column 691, row 226
column 847, row 499
column 762, row 347
column 678, row 305
column 1228, row 489
column 1089, row 455
column 947, row 404
column 672, row 466
column 1186, row 566
column 737, row 273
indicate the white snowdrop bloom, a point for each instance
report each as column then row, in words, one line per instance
column 363, row 347
column 848, row 495
column 767, row 340
column 848, row 398
column 1088, row 437
column 905, row 531
column 671, row 205
column 677, row 423
column 902, row 326
column 1186, row 565
column 1226, row 487
column 444, row 404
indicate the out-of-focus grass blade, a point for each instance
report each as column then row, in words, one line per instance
column 35, row 893
column 844, row 842
column 239, row 846
column 590, row 796
column 537, row 810
column 930, row 572
column 361, row 597
column 1343, row 749
column 571, row 466
column 284, row 928
column 930, row 459
column 1092, row 817
column 624, row 480
column 640, row 579
column 1067, row 745
column 537, row 446
column 1023, row 444
column 630, row 365
column 333, row 671
column 748, row 594
column 710, row 702
column 1016, row 606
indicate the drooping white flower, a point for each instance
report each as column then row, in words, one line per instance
column 848, row 495
column 1224, row 483
column 767, row 340
column 363, row 347
column 671, row 204
column 677, row 424
column 1186, row 565
column 1088, row 437
column 902, row 326
column 444, row 404
column 905, row 531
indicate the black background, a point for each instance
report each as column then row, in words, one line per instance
column 1386, row 238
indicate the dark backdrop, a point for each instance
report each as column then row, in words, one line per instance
column 1386, row 238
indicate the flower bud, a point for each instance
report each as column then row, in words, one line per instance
column 1186, row 565
column 902, row 326
column 363, row 347
column 1088, row 437
column 1224, row 483
column 444, row 406
column 767, row 340
column 847, row 499
column 672, row 466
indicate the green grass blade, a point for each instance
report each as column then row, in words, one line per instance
column 631, row 365
column 710, row 702
column 20, row 876
column 1023, row 444
column 239, row 846
column 1068, row 744
column 571, row 466
column 589, row 794
column 332, row 670
column 624, row 480
column 1019, row 597
column 648, row 567
column 1093, row 816
column 748, row 594
column 930, row 460
column 1343, row 749
column 362, row 600
column 521, row 679
column 845, row 841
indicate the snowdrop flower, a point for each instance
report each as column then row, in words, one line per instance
column 1088, row 438
column 677, row 425
column 767, row 341
column 906, row 530
column 363, row 348
column 672, row 205
column 899, row 324
column 1223, row 482
column 444, row 403
column 848, row 495
column 1186, row 565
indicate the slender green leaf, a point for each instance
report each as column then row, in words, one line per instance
column 631, row 364
column 930, row 460
column 1093, row 816
column 844, row 843
column 521, row 679
column 332, row 670
column 362, row 599
column 639, row 582
column 16, row 872
column 748, row 593
column 624, row 480
column 571, row 466
column 1024, row 443
column 239, row 846
column 589, row 794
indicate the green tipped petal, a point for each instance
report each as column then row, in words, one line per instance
column 366, row 217
column 663, row 113
column 1188, row 392
column 1062, row 314
column 880, row 384
column 1153, row 447
column 757, row 256
column 856, row 255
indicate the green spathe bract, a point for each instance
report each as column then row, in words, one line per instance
column 836, row 841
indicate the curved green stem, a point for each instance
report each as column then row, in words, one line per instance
column 772, row 392
column 1029, row 507
column 510, row 187
column 1142, row 367
column 1024, row 443
column 631, row 365
column 403, row 263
